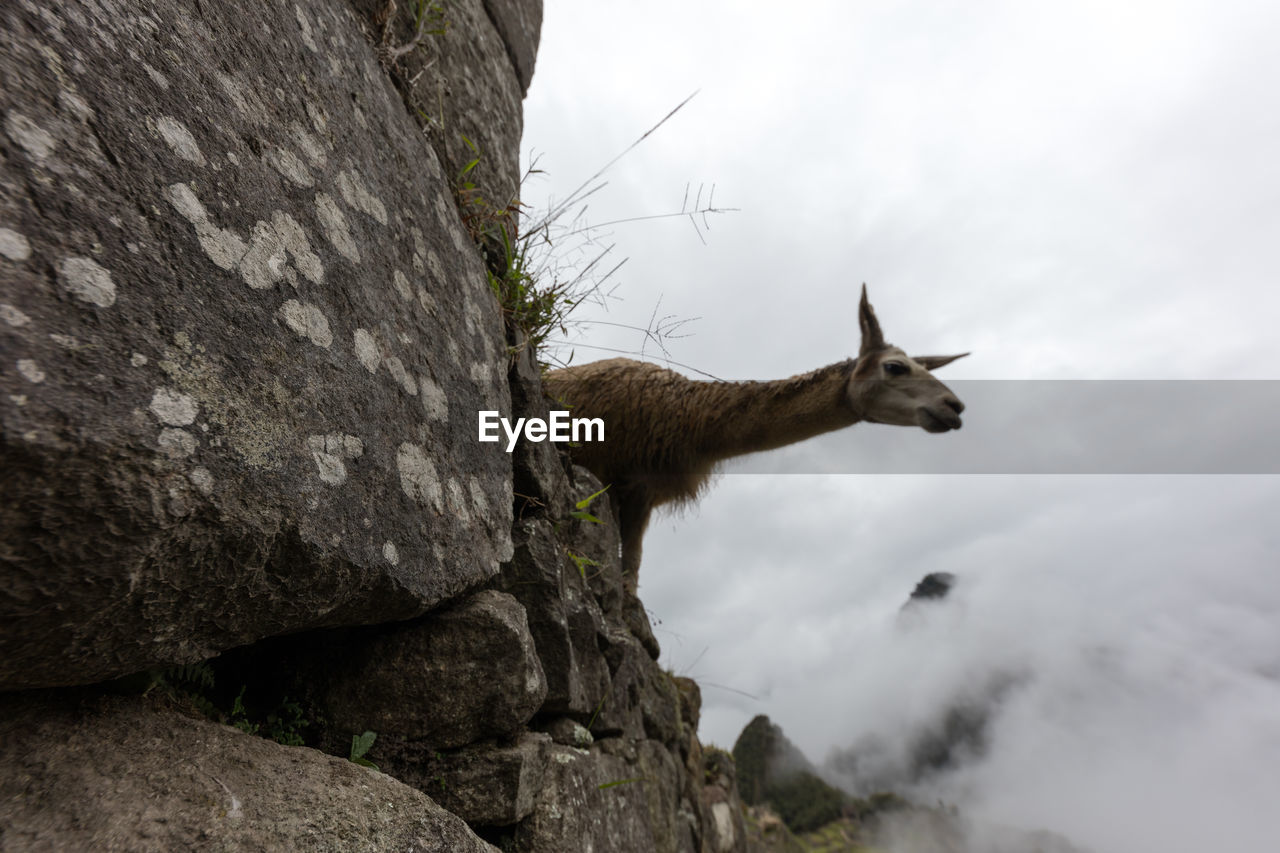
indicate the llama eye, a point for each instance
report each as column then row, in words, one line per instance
column 895, row 368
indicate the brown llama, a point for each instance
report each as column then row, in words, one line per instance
column 664, row 434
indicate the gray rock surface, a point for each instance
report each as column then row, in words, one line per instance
column 618, row 795
column 245, row 335
column 723, row 826
column 464, row 88
column 461, row 674
column 643, row 701
column 119, row 775
column 485, row 784
column 564, row 618
column 569, row 732
column 519, row 23
column 602, row 543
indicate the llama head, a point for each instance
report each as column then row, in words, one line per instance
column 890, row 387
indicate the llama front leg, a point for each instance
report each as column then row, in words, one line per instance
column 631, row 548
column 633, row 520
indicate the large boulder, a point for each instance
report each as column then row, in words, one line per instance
column 245, row 335
column 486, row 784
column 456, row 676
column 619, row 795
column 118, row 775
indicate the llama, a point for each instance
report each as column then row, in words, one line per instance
column 665, row 433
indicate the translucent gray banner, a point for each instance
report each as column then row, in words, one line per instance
column 1062, row 427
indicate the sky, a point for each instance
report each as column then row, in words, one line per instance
column 1075, row 193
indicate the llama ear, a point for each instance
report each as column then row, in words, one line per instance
column 933, row 362
column 872, row 337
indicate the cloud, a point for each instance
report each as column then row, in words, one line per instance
column 1150, row 647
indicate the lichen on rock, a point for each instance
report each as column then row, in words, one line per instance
column 181, row 210
column 246, row 331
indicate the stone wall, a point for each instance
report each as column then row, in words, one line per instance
column 245, row 328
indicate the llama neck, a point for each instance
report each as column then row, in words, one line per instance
column 755, row 416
